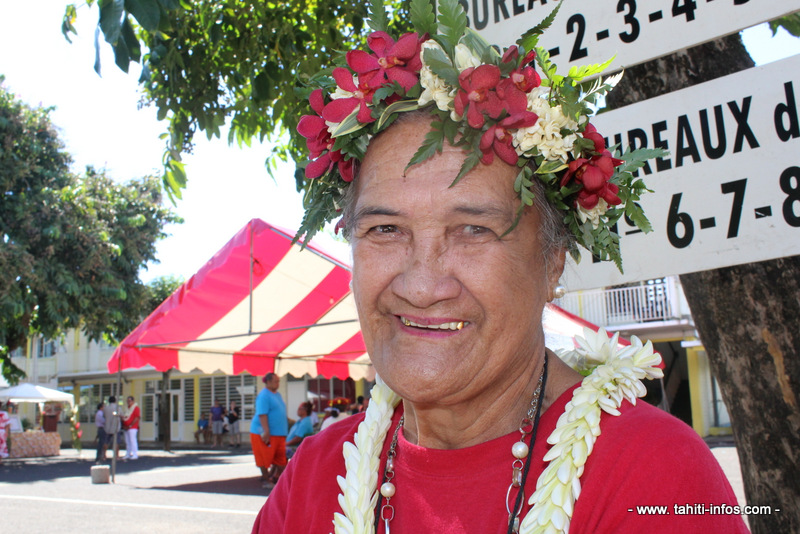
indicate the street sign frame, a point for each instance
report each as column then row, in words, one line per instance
column 634, row 31
column 728, row 193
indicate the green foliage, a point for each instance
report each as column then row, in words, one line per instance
column 423, row 17
column 433, row 144
column 530, row 38
column 578, row 73
column 790, row 23
column 378, row 20
column 452, row 23
column 244, row 63
column 441, row 65
column 71, row 247
column 158, row 290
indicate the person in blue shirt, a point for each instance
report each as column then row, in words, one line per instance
column 268, row 430
column 302, row 428
column 203, row 429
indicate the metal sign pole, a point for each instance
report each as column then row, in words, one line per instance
column 116, row 425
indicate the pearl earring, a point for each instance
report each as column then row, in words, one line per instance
column 559, row 291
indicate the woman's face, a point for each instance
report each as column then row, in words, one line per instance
column 449, row 309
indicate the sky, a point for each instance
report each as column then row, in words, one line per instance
column 102, row 124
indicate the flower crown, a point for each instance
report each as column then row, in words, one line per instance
column 488, row 103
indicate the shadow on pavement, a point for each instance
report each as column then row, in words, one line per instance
column 234, row 486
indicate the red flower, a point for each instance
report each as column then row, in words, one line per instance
column 339, row 109
column 589, row 200
column 317, row 101
column 318, row 138
column 345, row 166
column 319, row 166
column 477, row 94
column 511, row 54
column 483, row 92
column 314, row 129
column 591, row 133
column 594, row 174
column 323, row 164
column 497, row 139
column 514, row 100
column 393, row 61
column 525, row 79
column 340, row 224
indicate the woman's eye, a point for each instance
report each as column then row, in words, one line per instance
column 384, row 229
column 472, row 230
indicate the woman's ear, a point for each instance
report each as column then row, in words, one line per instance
column 555, row 270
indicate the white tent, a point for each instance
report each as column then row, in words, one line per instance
column 34, row 393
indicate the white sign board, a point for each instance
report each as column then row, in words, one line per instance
column 728, row 193
column 593, row 31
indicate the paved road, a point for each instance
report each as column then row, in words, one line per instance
column 187, row 491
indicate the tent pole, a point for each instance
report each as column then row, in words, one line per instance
column 250, row 323
column 165, row 411
column 116, row 426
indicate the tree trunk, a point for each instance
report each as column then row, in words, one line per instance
column 747, row 316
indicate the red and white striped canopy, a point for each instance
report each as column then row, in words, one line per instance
column 261, row 304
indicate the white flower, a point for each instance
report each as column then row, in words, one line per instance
column 615, row 377
column 362, row 458
column 593, row 214
column 465, row 58
column 435, row 88
column 546, row 133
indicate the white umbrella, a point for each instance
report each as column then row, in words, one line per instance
column 34, row 393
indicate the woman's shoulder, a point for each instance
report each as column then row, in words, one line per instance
column 648, row 424
column 650, row 458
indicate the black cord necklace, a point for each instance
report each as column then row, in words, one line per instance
column 512, row 522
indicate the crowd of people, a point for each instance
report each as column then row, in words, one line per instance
column 219, row 422
column 272, row 440
column 115, row 421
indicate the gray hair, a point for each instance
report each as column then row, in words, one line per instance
column 554, row 235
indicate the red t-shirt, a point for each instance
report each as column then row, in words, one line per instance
column 644, row 457
column 133, row 419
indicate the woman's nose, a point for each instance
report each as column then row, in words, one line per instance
column 427, row 276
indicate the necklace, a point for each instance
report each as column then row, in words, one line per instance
column 519, row 467
column 612, row 375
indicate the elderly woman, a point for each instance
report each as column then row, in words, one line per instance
column 474, row 425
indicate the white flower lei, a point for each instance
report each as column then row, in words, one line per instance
column 613, row 375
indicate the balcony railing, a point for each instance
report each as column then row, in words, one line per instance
column 654, row 300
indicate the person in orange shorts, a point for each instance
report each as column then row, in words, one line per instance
column 268, row 430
